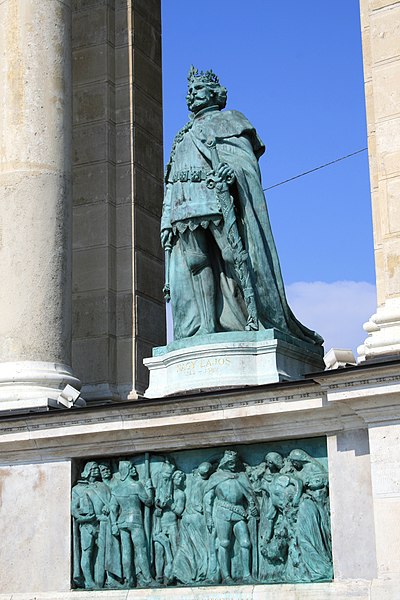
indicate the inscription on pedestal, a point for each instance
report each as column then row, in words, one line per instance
column 203, row 366
column 245, row 514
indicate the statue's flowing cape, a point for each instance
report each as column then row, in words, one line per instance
column 240, row 147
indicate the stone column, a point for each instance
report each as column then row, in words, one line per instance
column 380, row 20
column 35, row 190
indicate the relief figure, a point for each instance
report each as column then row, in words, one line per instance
column 97, row 558
column 128, row 498
column 170, row 503
column 229, row 503
column 194, row 558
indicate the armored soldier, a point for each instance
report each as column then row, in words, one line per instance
column 229, row 503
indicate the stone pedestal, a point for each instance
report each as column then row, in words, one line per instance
column 35, row 184
column 228, row 360
column 381, row 53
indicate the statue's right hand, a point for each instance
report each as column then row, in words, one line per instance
column 115, row 530
column 166, row 238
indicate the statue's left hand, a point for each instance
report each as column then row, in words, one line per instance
column 226, row 173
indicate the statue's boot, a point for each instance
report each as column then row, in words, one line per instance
column 224, row 563
column 246, row 565
column 204, row 287
column 90, row 583
column 143, row 564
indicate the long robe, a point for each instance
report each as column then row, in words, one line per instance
column 189, row 204
column 313, row 540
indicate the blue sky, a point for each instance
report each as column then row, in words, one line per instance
column 295, row 70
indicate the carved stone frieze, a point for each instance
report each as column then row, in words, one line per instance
column 231, row 515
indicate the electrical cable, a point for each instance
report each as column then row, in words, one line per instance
column 315, row 169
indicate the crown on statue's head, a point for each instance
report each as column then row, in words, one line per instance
column 195, row 75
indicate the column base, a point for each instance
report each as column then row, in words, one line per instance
column 383, row 330
column 26, row 385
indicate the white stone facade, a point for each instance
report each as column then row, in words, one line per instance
column 355, row 408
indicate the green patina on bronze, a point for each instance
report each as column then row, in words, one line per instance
column 248, row 514
column 222, row 267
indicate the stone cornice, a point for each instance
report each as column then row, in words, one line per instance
column 330, row 402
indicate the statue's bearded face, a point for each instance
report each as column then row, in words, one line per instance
column 199, row 96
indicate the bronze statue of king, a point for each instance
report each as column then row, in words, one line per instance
column 222, row 267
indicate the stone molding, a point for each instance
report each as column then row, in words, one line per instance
column 354, row 589
column 330, row 402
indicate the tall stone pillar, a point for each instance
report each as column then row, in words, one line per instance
column 380, row 21
column 118, row 271
column 35, row 191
